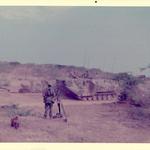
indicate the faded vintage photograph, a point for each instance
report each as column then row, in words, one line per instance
column 74, row 74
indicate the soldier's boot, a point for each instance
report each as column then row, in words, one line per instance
column 45, row 114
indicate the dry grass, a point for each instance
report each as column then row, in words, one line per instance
column 87, row 122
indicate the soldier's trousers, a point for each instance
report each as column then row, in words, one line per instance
column 48, row 108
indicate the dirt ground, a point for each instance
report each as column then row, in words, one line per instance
column 88, row 121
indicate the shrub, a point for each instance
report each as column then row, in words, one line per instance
column 24, row 89
column 14, row 110
column 128, row 84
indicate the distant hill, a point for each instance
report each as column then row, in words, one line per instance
column 50, row 71
column 29, row 77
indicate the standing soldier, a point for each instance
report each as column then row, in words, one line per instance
column 48, row 95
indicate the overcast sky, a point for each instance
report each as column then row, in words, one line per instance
column 112, row 39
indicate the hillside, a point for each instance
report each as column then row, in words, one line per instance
column 50, row 71
column 14, row 76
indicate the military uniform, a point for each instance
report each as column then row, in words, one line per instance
column 48, row 99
